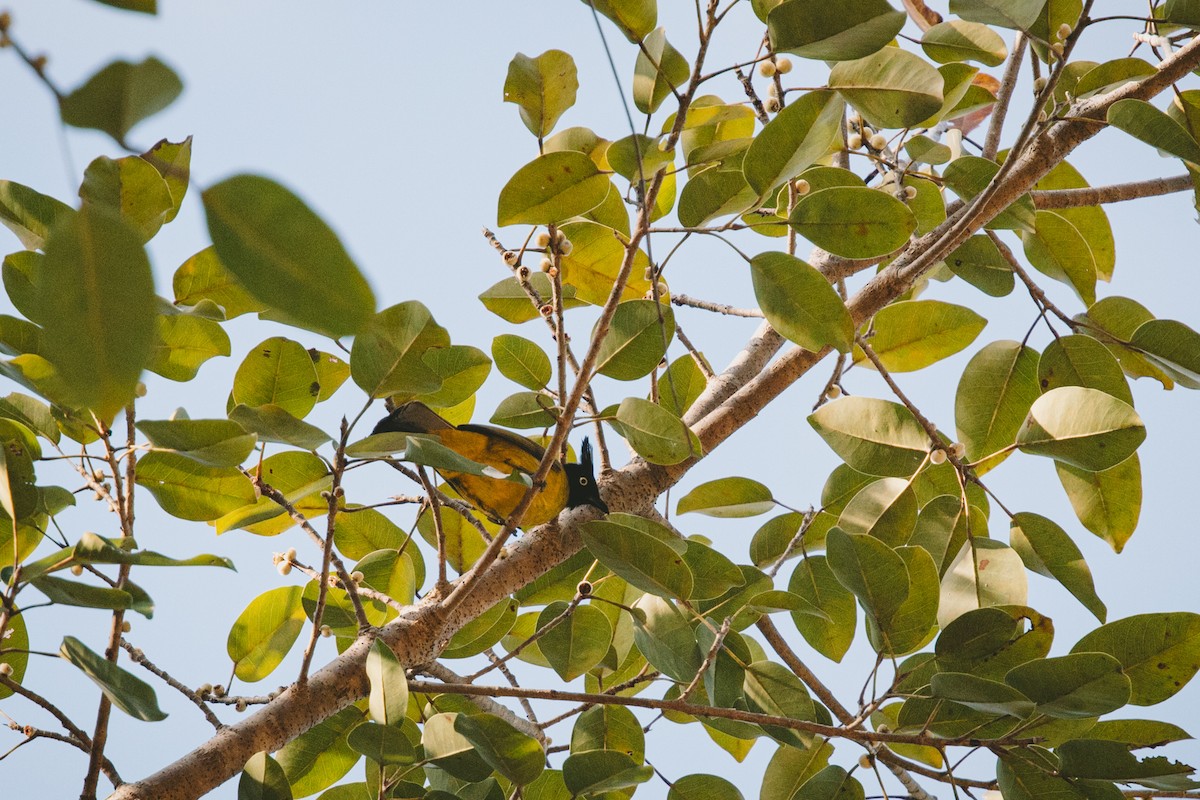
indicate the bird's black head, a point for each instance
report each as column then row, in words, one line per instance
column 581, row 481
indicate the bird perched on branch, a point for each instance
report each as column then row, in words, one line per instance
column 566, row 485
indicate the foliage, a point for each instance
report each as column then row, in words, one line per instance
column 868, row 167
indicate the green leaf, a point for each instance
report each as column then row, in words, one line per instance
column 1091, row 221
column 716, row 192
column 141, row 6
column 301, row 477
column 204, row 277
column 382, row 744
column 447, row 748
column 552, row 188
column 1047, row 550
column 1171, row 346
column 885, row 508
column 263, row 779
column 978, row 262
column 660, row 69
column 1022, row 778
column 818, row 30
column 967, row 176
column 591, row 268
column 98, row 550
column 211, row 442
column 713, row 572
column 484, row 631
column 984, row 573
column 578, row 642
column 1019, row 14
column 637, row 157
column 286, row 256
column 637, row 339
column 596, row 772
column 627, row 547
column 388, row 701
column 1108, row 502
column 130, row 694
column 790, row 768
column 655, row 433
column 771, row 688
column 874, row 436
column 30, row 215
column 1146, row 123
column 853, row 222
column 130, row 188
column 914, row 623
column 96, row 278
column 994, row 395
column 960, row 40
column 264, row 632
column 891, row 88
column 831, row 783
column 699, row 786
column 1113, row 321
column 794, row 140
column 183, row 342
column 513, row 754
column 272, row 423
column 728, row 497
column 388, row 357
column 1076, row 686
column 543, row 88
column 189, row 490
column 1137, row 733
column 1080, row 360
column 277, row 372
column 521, row 361
column 73, row 593
column 800, row 303
column 912, row 334
column 1112, row 761
column 16, row 655
column 981, row 694
column 1057, row 248
column 1159, row 652
column 1083, row 427
column 462, row 370
column 173, row 162
column 990, row 641
column 871, row 570
column 525, row 410
column 120, row 96
column 609, row 727
column 680, row 385
column 634, row 18
column 664, row 637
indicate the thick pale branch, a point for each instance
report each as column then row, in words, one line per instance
column 1114, row 193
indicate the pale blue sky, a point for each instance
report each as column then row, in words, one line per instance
column 387, row 118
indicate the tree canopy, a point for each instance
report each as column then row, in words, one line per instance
column 871, row 225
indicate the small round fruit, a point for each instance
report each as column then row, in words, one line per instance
column 937, row 457
column 545, row 264
column 958, row 449
column 783, row 65
column 773, row 105
column 834, row 392
column 565, row 247
column 801, row 186
column 878, row 141
column 854, row 141
column 767, row 69
column 6, row 669
column 77, row 569
column 543, row 239
column 511, row 257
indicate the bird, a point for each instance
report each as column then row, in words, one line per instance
column 566, row 485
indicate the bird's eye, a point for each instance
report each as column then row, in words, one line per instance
column 583, row 481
